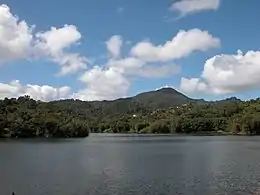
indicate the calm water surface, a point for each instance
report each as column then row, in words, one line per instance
column 131, row 165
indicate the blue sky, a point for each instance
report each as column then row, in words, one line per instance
column 65, row 50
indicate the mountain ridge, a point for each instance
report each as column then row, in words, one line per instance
column 141, row 103
column 160, row 111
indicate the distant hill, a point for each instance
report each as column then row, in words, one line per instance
column 143, row 102
column 161, row 111
column 162, row 98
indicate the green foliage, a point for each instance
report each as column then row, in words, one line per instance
column 164, row 111
column 25, row 117
column 163, row 98
column 230, row 116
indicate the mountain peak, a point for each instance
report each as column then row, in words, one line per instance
column 167, row 90
column 162, row 98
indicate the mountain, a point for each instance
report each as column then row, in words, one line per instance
column 143, row 102
column 157, row 111
column 162, row 98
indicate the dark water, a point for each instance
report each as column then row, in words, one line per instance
column 131, row 165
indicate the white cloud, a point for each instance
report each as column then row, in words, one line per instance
column 54, row 42
column 71, row 63
column 191, row 6
column 112, row 80
column 19, row 42
column 192, row 86
column 132, row 66
column 183, row 44
column 15, row 37
column 45, row 93
column 127, row 65
column 103, row 84
column 114, row 45
column 226, row 74
column 155, row 71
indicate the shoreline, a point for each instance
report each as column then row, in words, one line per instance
column 134, row 134
column 182, row 134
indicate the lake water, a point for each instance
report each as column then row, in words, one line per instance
column 131, row 165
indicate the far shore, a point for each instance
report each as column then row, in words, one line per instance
column 219, row 133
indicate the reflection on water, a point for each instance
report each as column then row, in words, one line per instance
column 131, row 165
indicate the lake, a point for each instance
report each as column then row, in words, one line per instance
column 105, row 164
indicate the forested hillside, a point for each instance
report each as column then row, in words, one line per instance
column 25, row 117
column 162, row 111
column 231, row 116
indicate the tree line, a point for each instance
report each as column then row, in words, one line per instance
column 231, row 116
column 25, row 117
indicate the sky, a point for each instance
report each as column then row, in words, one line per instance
column 104, row 50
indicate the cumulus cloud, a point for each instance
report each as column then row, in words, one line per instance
column 114, row 45
column 15, row 37
column 183, row 44
column 154, row 71
column 112, row 80
column 132, row 66
column 192, row 86
column 15, row 89
column 19, row 42
column 57, row 39
column 128, row 65
column 53, row 43
column 226, row 74
column 185, row 7
column 103, row 83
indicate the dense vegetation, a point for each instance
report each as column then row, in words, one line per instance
column 25, row 117
column 230, row 116
column 163, row 111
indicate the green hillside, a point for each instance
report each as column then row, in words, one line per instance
column 162, row 111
